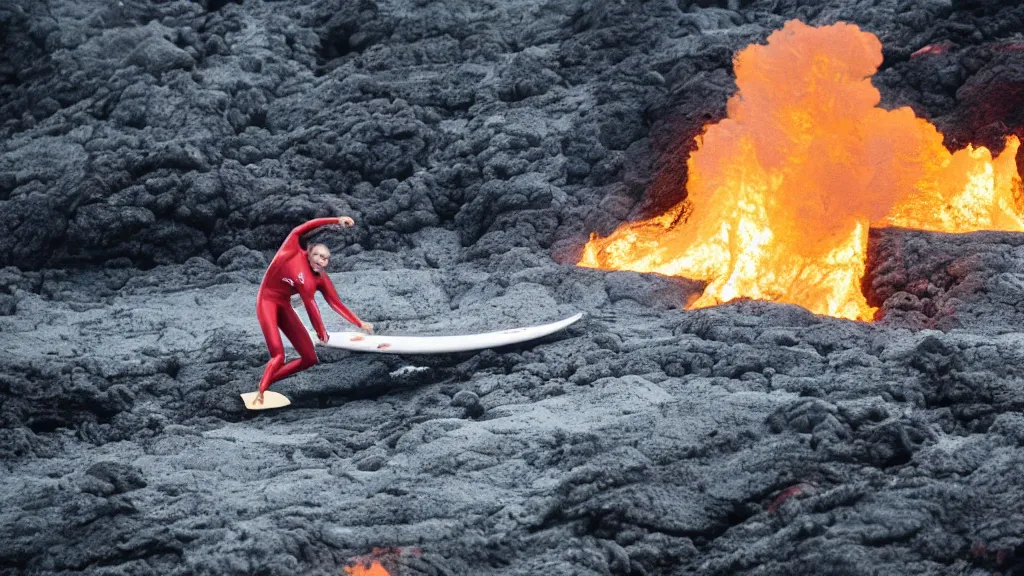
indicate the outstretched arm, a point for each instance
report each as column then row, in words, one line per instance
column 292, row 240
column 313, row 311
column 331, row 296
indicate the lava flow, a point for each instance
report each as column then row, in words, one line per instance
column 781, row 193
column 372, row 568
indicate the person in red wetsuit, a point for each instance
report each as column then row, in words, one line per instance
column 302, row 272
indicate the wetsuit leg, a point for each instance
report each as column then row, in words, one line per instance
column 267, row 314
column 292, row 327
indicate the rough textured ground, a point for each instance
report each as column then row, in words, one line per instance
column 152, row 156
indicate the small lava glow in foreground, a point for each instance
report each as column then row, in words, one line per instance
column 782, row 192
column 372, row 568
column 372, row 564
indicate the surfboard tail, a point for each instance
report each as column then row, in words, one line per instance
column 270, row 400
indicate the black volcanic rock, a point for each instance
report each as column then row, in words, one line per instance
column 153, row 155
column 945, row 281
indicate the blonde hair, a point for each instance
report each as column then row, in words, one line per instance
column 318, row 245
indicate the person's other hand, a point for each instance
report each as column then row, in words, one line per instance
column 346, row 222
column 367, row 326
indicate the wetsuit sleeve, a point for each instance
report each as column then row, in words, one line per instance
column 331, row 296
column 314, row 316
column 292, row 241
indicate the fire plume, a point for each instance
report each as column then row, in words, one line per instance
column 781, row 193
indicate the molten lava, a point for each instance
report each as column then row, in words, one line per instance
column 782, row 192
column 373, row 568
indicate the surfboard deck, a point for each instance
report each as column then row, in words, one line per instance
column 270, row 400
column 360, row 342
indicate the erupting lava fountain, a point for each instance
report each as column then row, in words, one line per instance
column 781, row 193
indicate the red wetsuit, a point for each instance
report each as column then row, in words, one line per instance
column 289, row 273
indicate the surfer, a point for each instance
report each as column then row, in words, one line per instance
column 303, row 272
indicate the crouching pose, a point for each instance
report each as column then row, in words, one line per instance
column 302, row 272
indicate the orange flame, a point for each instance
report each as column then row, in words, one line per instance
column 782, row 192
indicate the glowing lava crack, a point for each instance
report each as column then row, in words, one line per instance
column 782, row 192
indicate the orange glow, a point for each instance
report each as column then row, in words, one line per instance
column 374, row 568
column 781, row 193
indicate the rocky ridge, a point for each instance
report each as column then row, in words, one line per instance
column 153, row 154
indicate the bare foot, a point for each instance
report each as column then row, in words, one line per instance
column 357, row 338
column 258, row 400
column 383, row 346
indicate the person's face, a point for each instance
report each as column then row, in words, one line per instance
column 319, row 257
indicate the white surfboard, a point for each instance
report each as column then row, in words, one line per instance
column 360, row 342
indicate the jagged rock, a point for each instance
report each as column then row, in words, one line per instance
column 153, row 155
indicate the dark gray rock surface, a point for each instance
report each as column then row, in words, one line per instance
column 154, row 154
